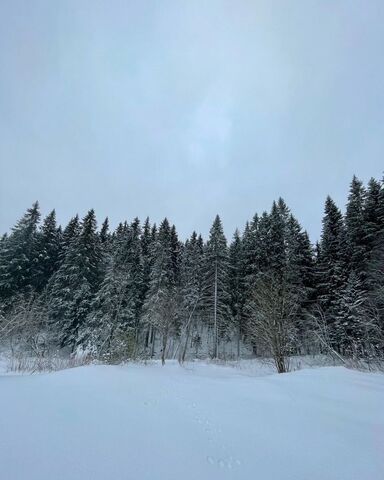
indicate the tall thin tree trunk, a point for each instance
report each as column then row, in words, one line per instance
column 238, row 342
column 153, row 340
column 165, row 341
column 188, row 332
column 215, row 351
column 185, row 347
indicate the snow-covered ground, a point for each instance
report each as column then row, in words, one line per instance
column 198, row 422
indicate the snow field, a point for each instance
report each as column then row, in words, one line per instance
column 201, row 421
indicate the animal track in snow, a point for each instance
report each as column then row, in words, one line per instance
column 227, row 462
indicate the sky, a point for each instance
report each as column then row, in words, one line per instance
column 187, row 109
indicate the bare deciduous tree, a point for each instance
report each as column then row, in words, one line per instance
column 24, row 326
column 272, row 323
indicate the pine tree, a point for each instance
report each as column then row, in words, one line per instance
column 216, row 286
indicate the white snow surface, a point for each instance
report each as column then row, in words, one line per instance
column 198, row 422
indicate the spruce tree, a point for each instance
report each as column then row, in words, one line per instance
column 372, row 214
column 146, row 250
column 300, row 261
column 351, row 315
column 108, row 323
column 134, row 265
column 119, row 234
column 276, row 243
column 73, row 286
column 250, row 254
column 191, row 289
column 216, row 285
column 160, row 306
column 331, row 263
column 137, row 288
column 263, row 246
column 355, row 229
column 70, row 233
column 112, row 327
column 104, row 232
column 176, row 247
column 48, row 250
column 237, row 286
column 19, row 256
column 374, row 230
column 331, row 267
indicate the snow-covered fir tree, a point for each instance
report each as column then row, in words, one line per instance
column 216, row 285
column 113, row 324
column 356, row 229
column 104, row 232
column 191, row 291
column 19, row 256
column 70, row 233
column 48, row 250
column 237, row 286
column 350, row 318
column 161, row 304
column 142, row 291
column 331, row 259
column 73, row 286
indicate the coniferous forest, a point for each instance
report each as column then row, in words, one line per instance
column 141, row 292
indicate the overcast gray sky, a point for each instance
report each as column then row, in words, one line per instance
column 186, row 109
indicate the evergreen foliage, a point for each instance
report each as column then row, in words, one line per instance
column 216, row 284
column 73, row 286
column 141, row 291
column 19, row 256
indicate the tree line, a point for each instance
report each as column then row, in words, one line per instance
column 141, row 292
